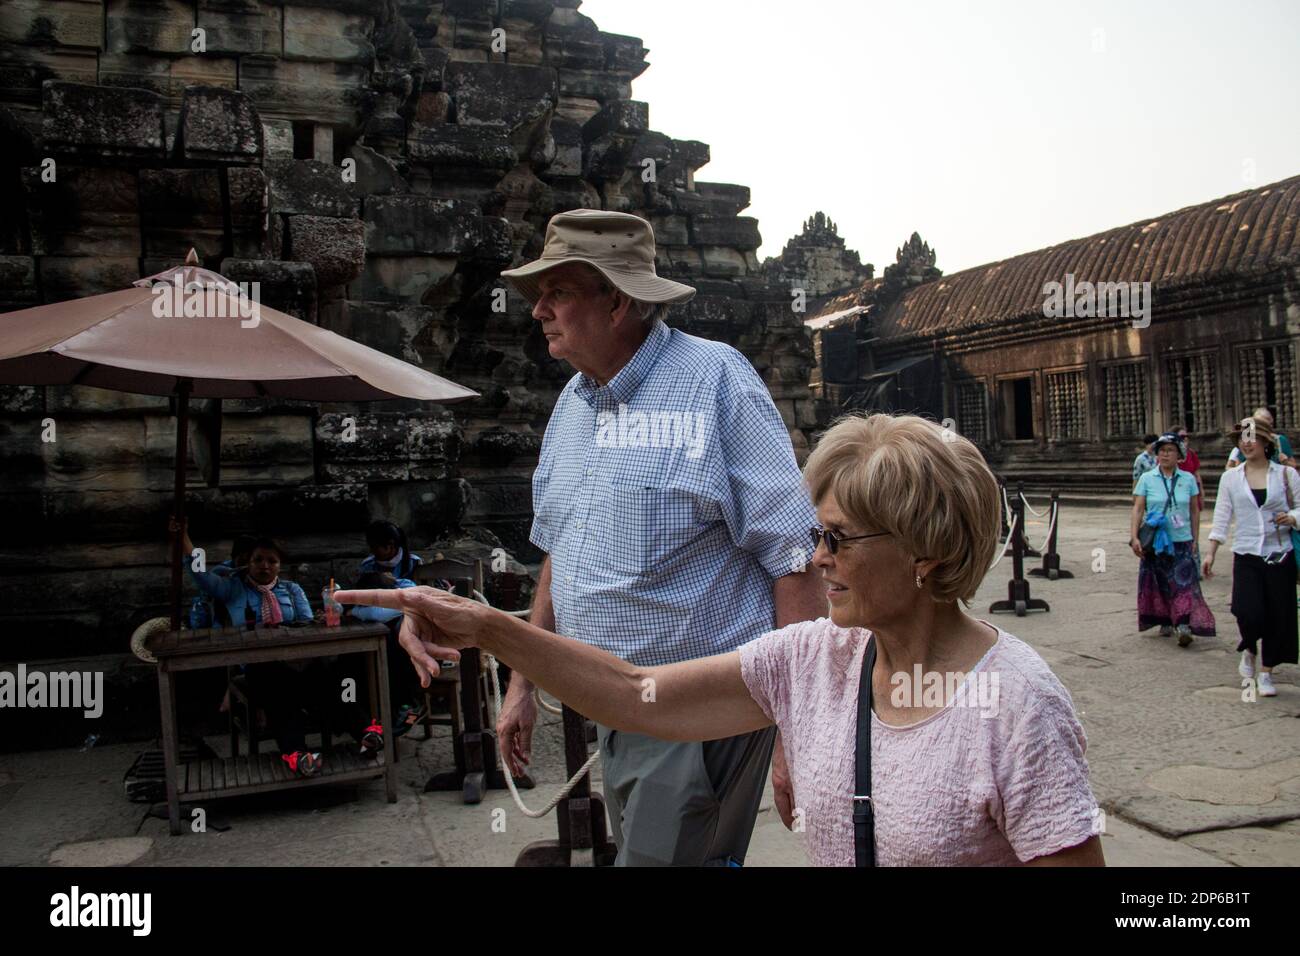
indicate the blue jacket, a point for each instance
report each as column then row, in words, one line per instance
column 237, row 594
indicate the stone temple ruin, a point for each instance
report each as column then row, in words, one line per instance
column 136, row 129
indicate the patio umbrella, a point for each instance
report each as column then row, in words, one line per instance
column 225, row 347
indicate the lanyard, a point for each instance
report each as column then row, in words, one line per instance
column 1170, row 488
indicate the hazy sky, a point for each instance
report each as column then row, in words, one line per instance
column 992, row 128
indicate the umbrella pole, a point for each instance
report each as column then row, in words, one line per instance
column 183, row 388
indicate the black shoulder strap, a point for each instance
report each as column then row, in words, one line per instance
column 864, row 816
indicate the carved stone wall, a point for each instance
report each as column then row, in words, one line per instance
column 136, row 129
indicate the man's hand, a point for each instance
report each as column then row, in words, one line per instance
column 782, row 788
column 515, row 725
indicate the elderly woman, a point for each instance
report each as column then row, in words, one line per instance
column 1169, row 585
column 1263, row 497
column 909, row 526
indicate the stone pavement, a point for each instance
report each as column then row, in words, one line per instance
column 1188, row 773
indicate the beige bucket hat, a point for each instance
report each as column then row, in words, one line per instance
column 619, row 246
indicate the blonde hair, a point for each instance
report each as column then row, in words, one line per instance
column 927, row 486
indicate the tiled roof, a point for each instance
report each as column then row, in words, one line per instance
column 1252, row 232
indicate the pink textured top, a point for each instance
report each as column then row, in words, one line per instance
column 997, row 777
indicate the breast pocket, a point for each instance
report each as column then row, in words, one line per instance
column 639, row 529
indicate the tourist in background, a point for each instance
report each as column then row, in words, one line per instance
column 389, row 552
column 1190, row 463
column 1281, row 452
column 1146, row 459
column 1169, row 587
column 1263, row 497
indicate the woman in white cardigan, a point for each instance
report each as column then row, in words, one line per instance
column 1264, row 498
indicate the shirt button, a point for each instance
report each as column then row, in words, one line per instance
column 578, row 526
column 568, row 579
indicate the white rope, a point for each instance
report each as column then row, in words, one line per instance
column 510, row 780
column 1015, row 520
column 1006, row 506
column 545, row 704
column 1050, row 525
column 496, row 713
column 1036, row 514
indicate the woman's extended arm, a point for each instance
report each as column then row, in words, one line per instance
column 703, row 699
column 224, row 589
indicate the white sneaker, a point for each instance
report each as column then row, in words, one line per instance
column 1265, row 684
column 1247, row 666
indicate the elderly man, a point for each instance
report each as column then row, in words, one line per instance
column 675, row 523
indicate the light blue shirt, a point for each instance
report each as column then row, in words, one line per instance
column 669, row 501
column 1155, row 488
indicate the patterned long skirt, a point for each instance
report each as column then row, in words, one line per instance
column 1169, row 592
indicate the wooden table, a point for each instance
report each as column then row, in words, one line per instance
column 259, row 773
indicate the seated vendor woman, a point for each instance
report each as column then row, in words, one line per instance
column 285, row 689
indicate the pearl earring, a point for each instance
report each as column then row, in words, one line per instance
column 920, row 582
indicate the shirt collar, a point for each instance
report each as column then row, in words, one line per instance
column 621, row 388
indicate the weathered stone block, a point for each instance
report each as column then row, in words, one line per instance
column 418, row 225
column 392, row 329
column 101, row 454
column 23, row 73
column 376, row 174
column 102, row 122
column 240, row 26
column 721, row 261
column 314, row 34
column 277, row 139
column 167, row 78
column 219, row 125
column 730, row 199
column 388, row 447
column 336, row 248
column 671, row 230
column 594, row 84
column 300, row 90
column 738, row 232
column 180, row 209
column 524, row 41
column 461, row 146
column 575, row 52
column 578, row 109
column 309, row 508
column 53, row 22
column 499, row 94
column 85, row 211
column 309, row 187
column 18, row 283
column 627, row 117
column 401, row 279
column 266, row 449
column 289, row 287
column 249, row 203
column 624, row 55
column 149, row 26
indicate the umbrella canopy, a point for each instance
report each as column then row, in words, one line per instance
column 226, row 347
column 192, row 333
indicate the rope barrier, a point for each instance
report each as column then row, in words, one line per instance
column 1050, row 525
column 496, row 713
column 1006, row 506
column 1015, row 519
column 1036, row 514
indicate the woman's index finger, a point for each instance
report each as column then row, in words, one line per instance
column 390, row 598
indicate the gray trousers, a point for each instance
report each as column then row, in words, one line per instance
column 683, row 804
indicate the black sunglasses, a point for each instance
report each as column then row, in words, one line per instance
column 833, row 540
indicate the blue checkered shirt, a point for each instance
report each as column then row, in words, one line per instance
column 669, row 501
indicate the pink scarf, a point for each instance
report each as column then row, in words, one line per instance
column 271, row 613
